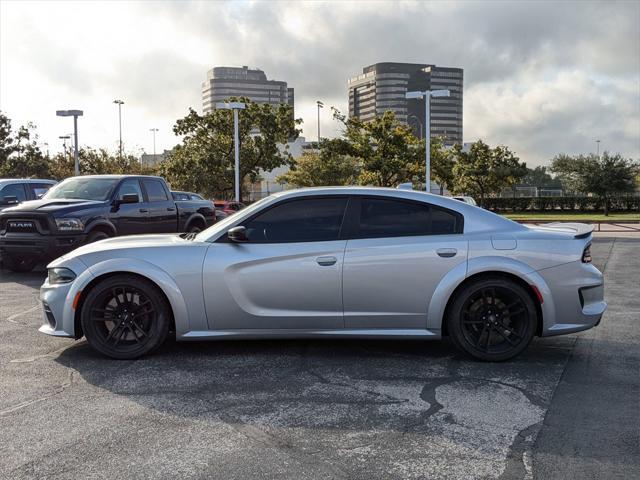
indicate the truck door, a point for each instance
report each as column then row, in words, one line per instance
column 163, row 217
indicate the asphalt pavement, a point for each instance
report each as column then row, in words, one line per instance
column 566, row 408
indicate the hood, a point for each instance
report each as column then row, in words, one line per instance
column 53, row 205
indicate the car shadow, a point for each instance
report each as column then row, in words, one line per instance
column 350, row 384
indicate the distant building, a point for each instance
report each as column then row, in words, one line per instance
column 382, row 87
column 149, row 159
column 225, row 82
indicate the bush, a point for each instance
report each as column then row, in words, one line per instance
column 619, row 203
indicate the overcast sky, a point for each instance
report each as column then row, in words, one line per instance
column 542, row 77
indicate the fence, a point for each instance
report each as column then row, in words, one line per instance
column 618, row 203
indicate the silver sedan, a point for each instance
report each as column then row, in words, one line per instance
column 332, row 262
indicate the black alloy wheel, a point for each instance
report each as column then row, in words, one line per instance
column 125, row 317
column 493, row 319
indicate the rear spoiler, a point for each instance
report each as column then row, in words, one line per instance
column 579, row 230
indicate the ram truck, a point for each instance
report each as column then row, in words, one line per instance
column 82, row 210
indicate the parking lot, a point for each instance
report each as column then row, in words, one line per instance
column 566, row 408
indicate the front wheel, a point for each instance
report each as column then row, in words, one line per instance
column 492, row 319
column 125, row 317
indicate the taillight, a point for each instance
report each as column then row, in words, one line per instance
column 586, row 255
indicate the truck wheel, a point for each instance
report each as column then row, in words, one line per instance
column 195, row 229
column 95, row 236
column 20, row 263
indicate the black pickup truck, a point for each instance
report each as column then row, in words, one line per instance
column 85, row 209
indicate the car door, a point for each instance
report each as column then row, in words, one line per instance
column 130, row 218
column 399, row 252
column 162, row 216
column 286, row 276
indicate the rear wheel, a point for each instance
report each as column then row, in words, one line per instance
column 125, row 317
column 492, row 319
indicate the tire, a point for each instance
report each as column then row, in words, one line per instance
column 20, row 263
column 125, row 317
column 95, row 236
column 194, row 229
column 492, row 319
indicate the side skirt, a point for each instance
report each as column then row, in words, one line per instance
column 196, row 335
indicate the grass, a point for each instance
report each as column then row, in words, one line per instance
column 574, row 217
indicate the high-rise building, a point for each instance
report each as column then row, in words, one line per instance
column 225, row 82
column 383, row 86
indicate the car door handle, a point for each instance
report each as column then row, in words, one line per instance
column 144, row 210
column 169, row 209
column 326, row 261
column 446, row 252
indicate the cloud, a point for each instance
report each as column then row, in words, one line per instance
column 540, row 77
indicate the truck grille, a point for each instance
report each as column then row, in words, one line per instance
column 21, row 226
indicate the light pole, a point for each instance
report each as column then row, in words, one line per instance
column 598, row 148
column 427, row 94
column 64, row 139
column 75, row 114
column 320, row 105
column 236, row 107
column 119, row 103
column 154, row 130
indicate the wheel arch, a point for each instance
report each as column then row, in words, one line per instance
column 102, row 226
column 146, row 271
column 510, row 269
column 195, row 219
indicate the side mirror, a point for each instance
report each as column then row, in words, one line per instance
column 237, row 234
column 9, row 200
column 129, row 198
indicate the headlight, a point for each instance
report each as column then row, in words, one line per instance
column 60, row 275
column 69, row 224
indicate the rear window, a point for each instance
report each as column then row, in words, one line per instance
column 155, row 190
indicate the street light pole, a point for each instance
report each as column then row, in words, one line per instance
column 320, row 105
column 236, row 107
column 75, row 114
column 427, row 94
column 598, row 147
column 154, row 130
column 120, row 103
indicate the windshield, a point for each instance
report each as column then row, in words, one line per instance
column 83, row 188
column 204, row 235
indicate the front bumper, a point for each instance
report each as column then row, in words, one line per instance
column 44, row 247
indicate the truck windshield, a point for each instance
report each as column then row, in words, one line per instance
column 83, row 188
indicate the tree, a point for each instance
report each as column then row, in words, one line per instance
column 441, row 160
column 602, row 175
column 482, row 171
column 387, row 149
column 97, row 162
column 204, row 162
column 325, row 168
column 540, row 178
column 20, row 155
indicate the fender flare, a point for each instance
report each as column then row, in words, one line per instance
column 129, row 265
column 491, row 264
column 193, row 217
column 101, row 222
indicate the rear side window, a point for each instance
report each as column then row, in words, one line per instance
column 155, row 190
column 394, row 218
column 13, row 190
column 39, row 189
column 305, row 220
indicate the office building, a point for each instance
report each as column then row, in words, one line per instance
column 382, row 87
column 225, row 82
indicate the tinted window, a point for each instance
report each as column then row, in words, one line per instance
column 393, row 218
column 155, row 190
column 129, row 187
column 39, row 189
column 14, row 190
column 196, row 197
column 309, row 220
column 180, row 196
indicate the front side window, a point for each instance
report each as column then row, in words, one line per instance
column 395, row 218
column 130, row 187
column 155, row 190
column 304, row 220
column 13, row 190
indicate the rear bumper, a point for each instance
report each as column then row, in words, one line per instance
column 44, row 247
column 578, row 298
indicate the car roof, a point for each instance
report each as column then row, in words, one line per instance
column 476, row 218
column 4, row 181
